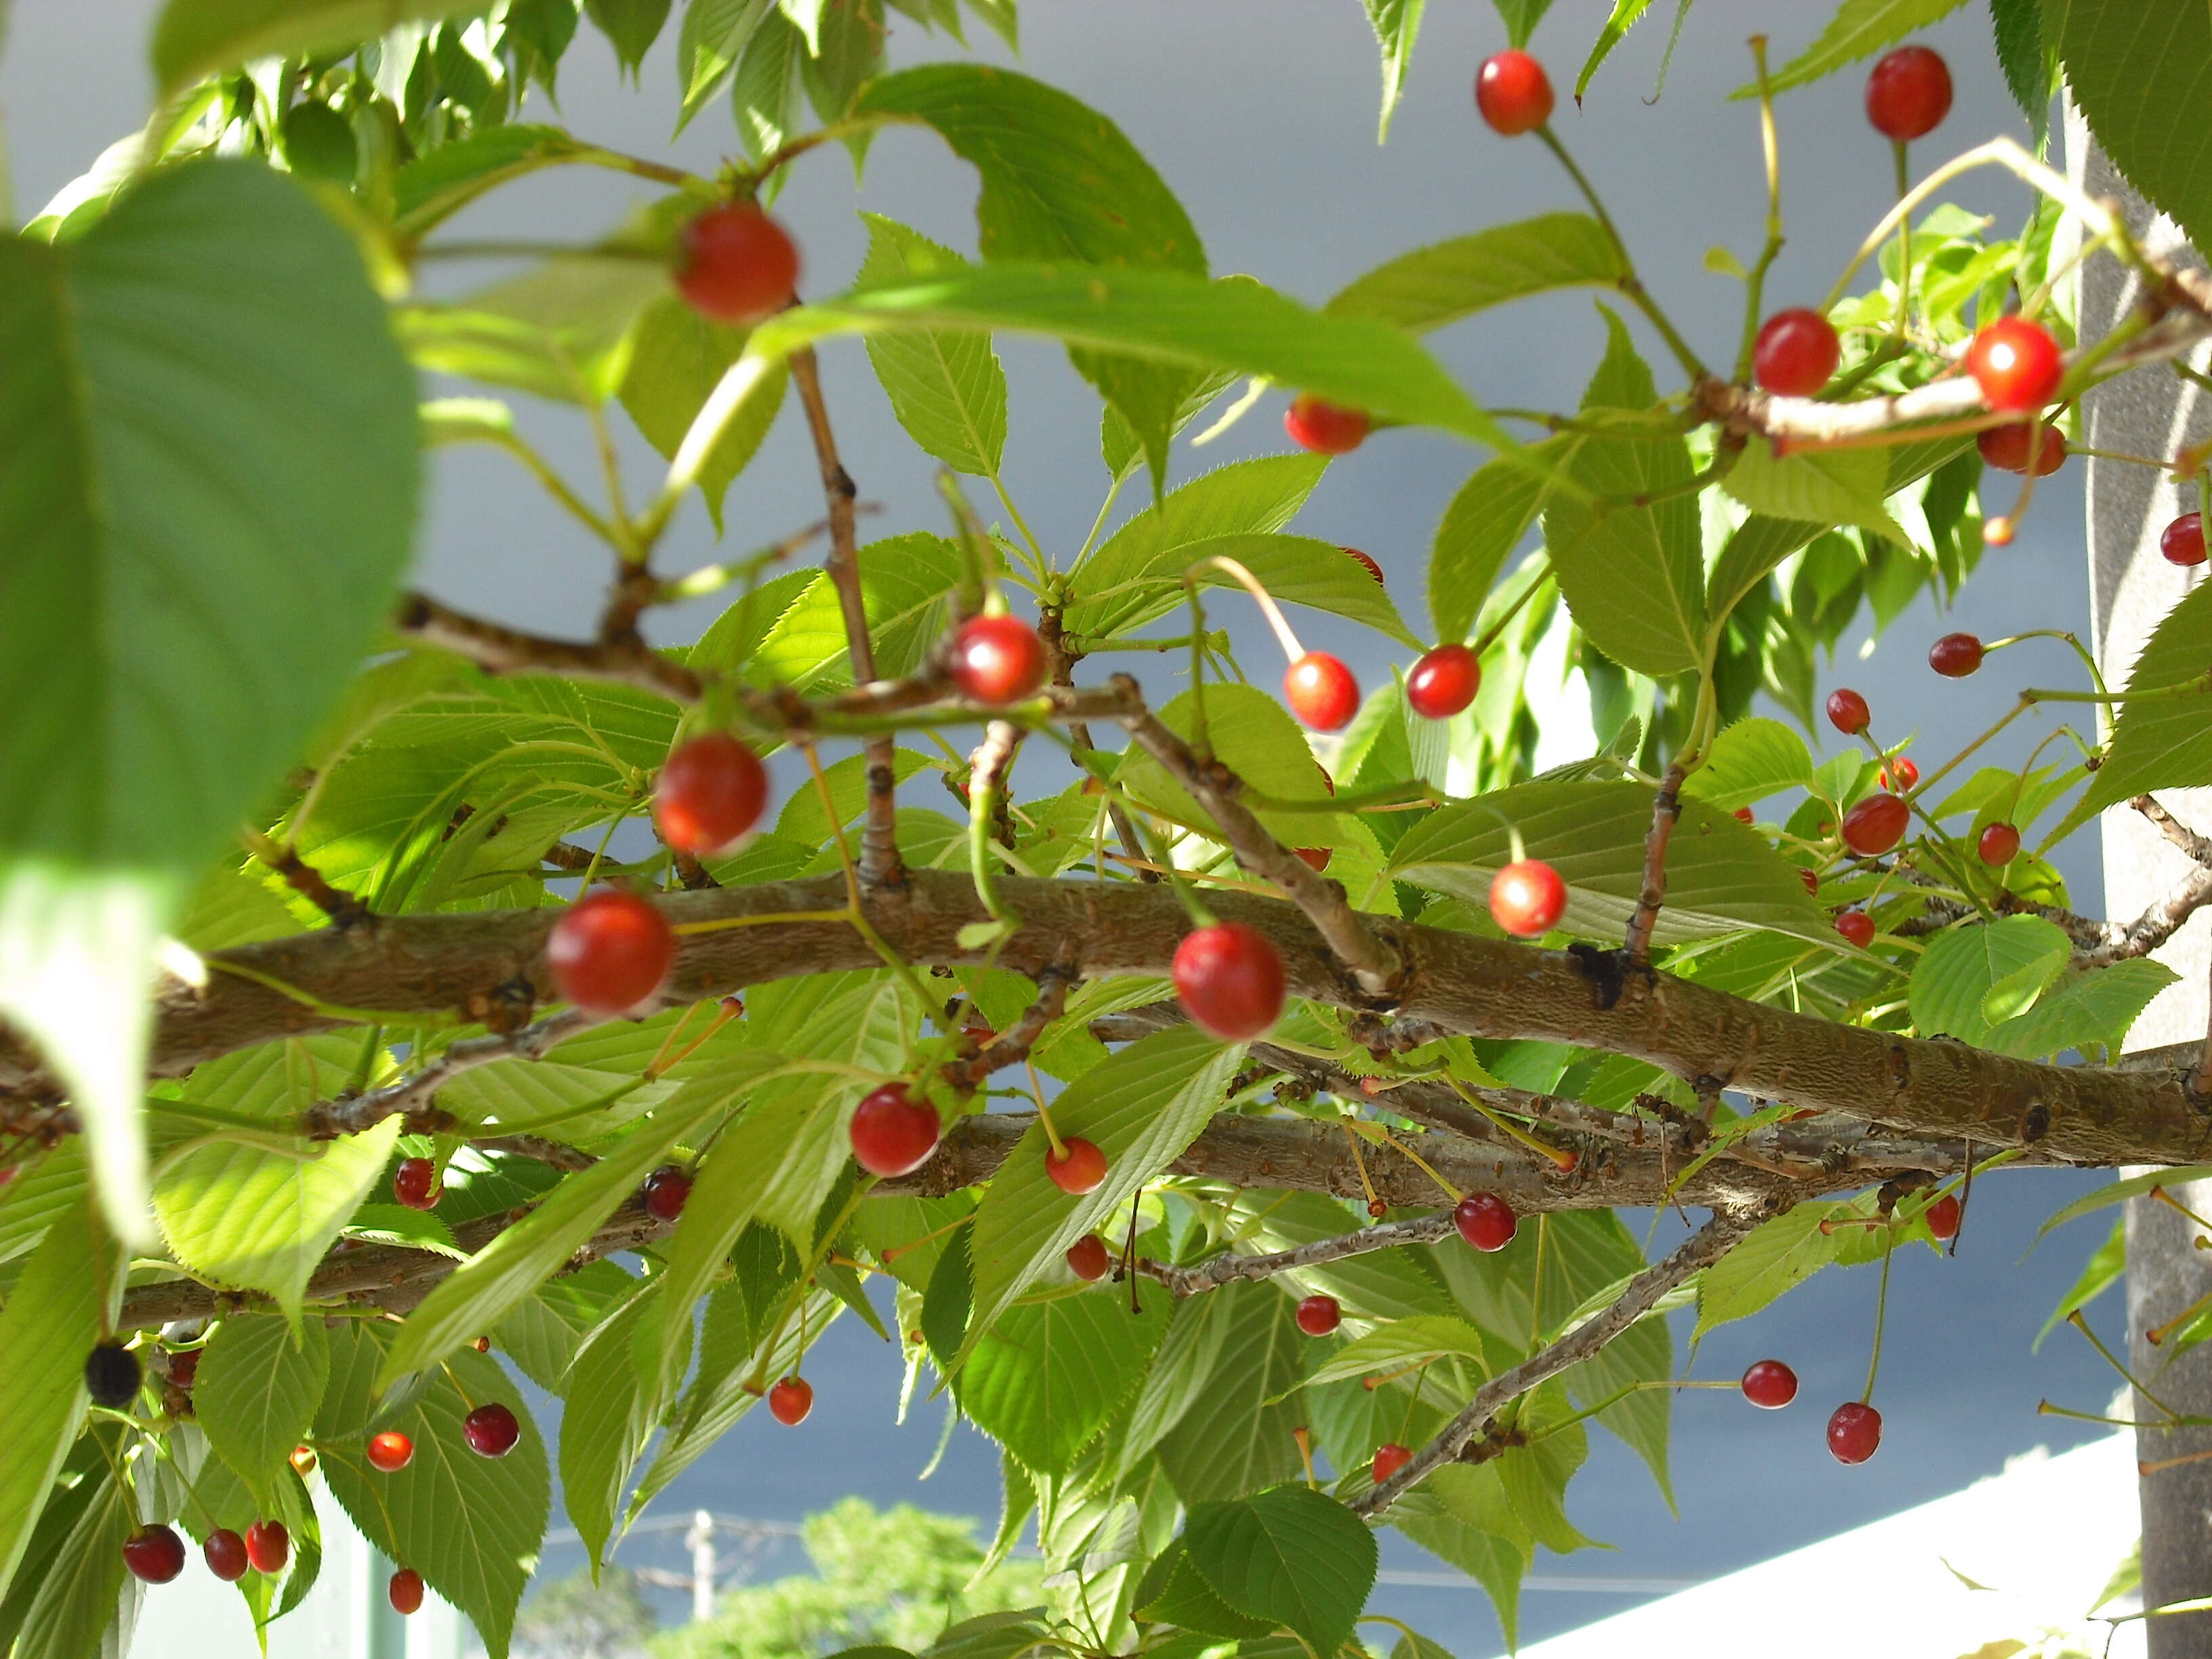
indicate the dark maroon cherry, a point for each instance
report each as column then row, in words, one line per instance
column 491, row 1431
column 111, row 1376
column 2182, row 542
column 1848, row 712
column 1088, row 1258
column 1318, row 1316
column 225, row 1553
column 1955, row 656
column 1485, row 1220
column 2006, row 447
column 405, row 1591
column 1876, row 825
column 1368, row 563
column 665, row 1191
column 1769, row 1384
column 415, row 1184
column 155, row 1554
column 1854, row 1433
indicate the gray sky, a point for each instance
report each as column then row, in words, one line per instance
column 1261, row 115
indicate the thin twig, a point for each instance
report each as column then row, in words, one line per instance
column 1665, row 812
column 410, row 1098
column 510, row 651
column 1011, row 1046
column 1229, row 1268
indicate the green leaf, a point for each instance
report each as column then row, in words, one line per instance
column 1521, row 18
column 1397, row 26
column 2030, row 66
column 2127, row 67
column 87, row 1597
column 1626, row 13
column 946, row 385
column 259, row 1382
column 1751, row 760
column 1399, row 1345
column 2164, row 742
column 606, row 1427
column 491, row 1283
column 1047, row 1374
column 541, row 1335
column 1292, row 1555
column 765, row 91
column 197, row 38
column 53, row 1318
column 176, row 496
column 1776, row 1256
column 2107, row 1266
column 1722, row 875
column 1859, row 28
column 470, row 1525
column 676, row 357
column 1832, row 486
column 632, row 25
column 1494, row 1550
column 1235, row 1437
column 1197, row 1327
column 1964, row 967
column 708, row 45
column 1433, row 286
column 2084, row 1008
column 906, row 584
column 2120, row 1191
column 1141, row 1108
column 563, row 330
column 1173, row 1592
column 433, row 187
column 1634, row 577
column 1378, row 1284
column 1749, row 556
column 1412, row 1644
column 1484, row 522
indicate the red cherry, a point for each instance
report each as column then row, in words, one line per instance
column 997, row 659
column 415, row 1184
column 405, row 1591
column 2016, row 364
column 1088, row 1258
column 1955, row 656
column 737, row 264
column 710, row 792
column 893, row 1133
column 1444, row 682
column 1909, row 94
column 1943, row 1216
column 1319, row 1315
column 790, row 1400
column 183, row 1367
column 1373, row 568
column 1999, row 845
column 2005, row 447
column 1901, row 775
column 268, row 1546
column 1876, row 825
column 1769, row 1384
column 155, row 1554
column 1485, row 1220
column 2182, row 542
column 1812, row 881
column 1389, row 1458
column 390, row 1451
column 1321, row 692
column 225, row 1553
column 1857, row 927
column 1316, row 859
column 1743, row 815
column 1080, row 1171
column 491, row 1431
column 1326, row 428
column 1854, row 1433
column 1795, row 353
column 1528, row 898
column 665, row 1191
column 611, row 951
column 1848, row 712
column 1514, row 94
column 1230, row 981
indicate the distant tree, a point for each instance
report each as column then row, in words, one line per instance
column 572, row 1618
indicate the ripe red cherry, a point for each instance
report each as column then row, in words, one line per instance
column 491, row 1431
column 1876, row 825
column 1373, row 568
column 1769, row 1384
column 1319, row 1315
column 1955, row 656
column 1743, row 815
column 268, row 1546
column 1485, row 1220
column 611, row 951
column 1321, row 692
column 415, row 1184
column 665, row 1191
column 405, row 1591
column 710, row 792
column 155, row 1554
column 1848, row 712
column 893, row 1133
column 1857, row 927
column 998, row 660
column 390, row 1451
column 1528, row 898
column 1230, row 981
column 790, row 1400
column 2005, row 447
column 1943, row 1216
column 1514, row 94
column 2182, row 542
column 183, row 1367
column 1389, row 1458
column 1326, row 428
column 225, row 1553
column 1795, row 353
column 1080, row 1171
column 1999, row 845
column 2016, row 364
column 737, row 264
column 1444, row 682
column 1854, row 1433
column 1316, row 859
column 1909, row 94
column 1901, row 775
column 1088, row 1258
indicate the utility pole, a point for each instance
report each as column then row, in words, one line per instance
column 2131, row 589
column 701, row 1539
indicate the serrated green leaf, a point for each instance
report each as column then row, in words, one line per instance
column 2127, row 67
column 708, row 45
column 1046, row 1374
column 1235, row 1436
column 1751, row 760
column 1858, row 28
column 52, row 1319
column 2165, row 742
column 1290, row 1555
column 436, row 186
column 1832, row 486
column 676, row 357
column 946, row 385
column 1172, row 1592
column 1376, row 1284
column 1626, row 13
column 2084, row 1008
column 196, row 38
column 2030, row 65
column 1397, row 25
column 1776, row 1256
column 1749, row 556
column 2107, row 1266
column 259, row 1383
column 631, row 25
column 1484, row 523
column 606, row 1427
column 541, row 1335
column 1400, row 1343
column 1440, row 284
column 1964, row 967
column 88, row 1595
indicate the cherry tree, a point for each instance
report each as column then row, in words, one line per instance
column 1236, row 1093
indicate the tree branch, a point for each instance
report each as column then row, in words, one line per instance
column 505, row 650
column 410, row 1098
column 1666, row 810
column 1229, row 1268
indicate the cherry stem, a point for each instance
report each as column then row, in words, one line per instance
column 1557, row 1157
column 1755, row 287
column 1360, row 1164
column 1058, row 1152
column 1630, row 285
column 1291, row 649
column 1880, row 1316
column 2159, row 1195
column 1899, row 149
column 897, row 1251
column 2079, row 1323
